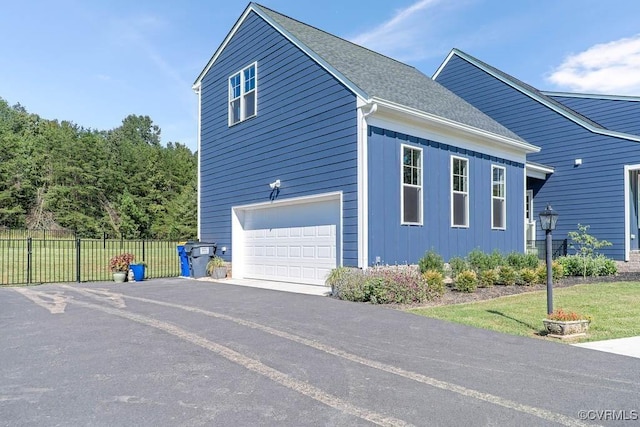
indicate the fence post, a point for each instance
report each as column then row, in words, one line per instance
column 78, row 252
column 104, row 240
column 143, row 257
column 29, row 252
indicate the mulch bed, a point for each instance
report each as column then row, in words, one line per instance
column 452, row 296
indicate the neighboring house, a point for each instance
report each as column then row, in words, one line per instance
column 315, row 152
column 590, row 143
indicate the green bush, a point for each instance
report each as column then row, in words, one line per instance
column 435, row 283
column 541, row 274
column 457, row 266
column 606, row 266
column 587, row 266
column 531, row 261
column 431, row 261
column 507, row 276
column 527, row 276
column 519, row 260
column 480, row 261
column 487, row 278
column 557, row 271
column 466, row 281
column 397, row 285
column 347, row 283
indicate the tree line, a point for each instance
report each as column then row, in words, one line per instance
column 122, row 182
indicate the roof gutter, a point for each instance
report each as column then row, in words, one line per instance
column 441, row 122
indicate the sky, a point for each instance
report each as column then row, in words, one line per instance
column 94, row 62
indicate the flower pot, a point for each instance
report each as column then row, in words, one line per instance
column 119, row 276
column 219, row 273
column 566, row 329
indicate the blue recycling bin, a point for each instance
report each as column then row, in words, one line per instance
column 184, row 261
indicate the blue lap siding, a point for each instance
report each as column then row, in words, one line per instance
column 399, row 244
column 619, row 115
column 305, row 134
column 592, row 193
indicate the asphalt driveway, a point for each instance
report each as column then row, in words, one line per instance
column 184, row 352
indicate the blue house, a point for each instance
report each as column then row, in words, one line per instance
column 589, row 149
column 315, row 152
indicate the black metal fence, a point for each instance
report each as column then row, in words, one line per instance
column 50, row 259
column 558, row 248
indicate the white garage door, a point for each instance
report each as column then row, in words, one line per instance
column 291, row 243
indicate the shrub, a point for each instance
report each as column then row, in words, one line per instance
column 466, row 281
column 399, row 285
column 507, row 275
column 598, row 265
column 541, row 274
column 606, row 266
column 557, row 271
column 435, row 283
column 528, row 276
column 457, row 265
column 515, row 260
column 480, row 261
column 347, row 283
column 431, row 261
column 531, row 261
column 487, row 278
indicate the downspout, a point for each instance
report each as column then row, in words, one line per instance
column 198, row 91
column 363, row 187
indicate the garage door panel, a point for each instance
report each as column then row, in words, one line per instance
column 296, row 243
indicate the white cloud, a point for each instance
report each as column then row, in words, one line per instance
column 399, row 36
column 612, row 68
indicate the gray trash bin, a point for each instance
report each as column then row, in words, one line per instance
column 199, row 255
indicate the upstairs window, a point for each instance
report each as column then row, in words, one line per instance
column 498, row 198
column 459, row 192
column 242, row 95
column 411, row 191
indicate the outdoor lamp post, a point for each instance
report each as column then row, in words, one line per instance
column 548, row 220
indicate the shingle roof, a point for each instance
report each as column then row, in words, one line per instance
column 379, row 76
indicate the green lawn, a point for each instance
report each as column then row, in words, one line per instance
column 614, row 308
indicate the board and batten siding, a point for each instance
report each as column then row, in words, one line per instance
column 619, row 115
column 590, row 194
column 305, row 134
column 400, row 244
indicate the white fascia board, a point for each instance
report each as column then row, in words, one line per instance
column 256, row 9
column 592, row 96
column 429, row 126
column 535, row 97
column 538, row 171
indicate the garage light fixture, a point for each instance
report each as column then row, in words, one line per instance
column 275, row 184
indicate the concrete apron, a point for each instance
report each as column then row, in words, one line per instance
column 297, row 288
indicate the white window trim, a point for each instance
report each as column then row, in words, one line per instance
column 466, row 219
column 402, row 184
column 504, row 198
column 242, row 95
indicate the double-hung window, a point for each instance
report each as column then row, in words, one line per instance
column 242, row 94
column 498, row 198
column 411, row 191
column 459, row 192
